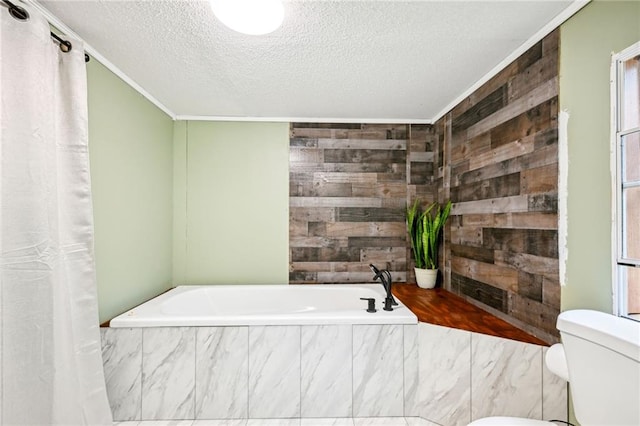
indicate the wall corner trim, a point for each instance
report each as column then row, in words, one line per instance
column 544, row 31
column 563, row 16
column 56, row 22
column 303, row 119
column 563, row 192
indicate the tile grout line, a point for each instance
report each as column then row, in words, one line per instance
column 470, row 377
column 193, row 411
column 248, row 370
column 141, row 373
column 542, row 383
column 352, row 375
column 300, row 374
column 404, row 378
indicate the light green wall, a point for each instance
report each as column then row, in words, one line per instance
column 231, row 208
column 587, row 41
column 220, row 189
column 130, row 146
column 225, row 183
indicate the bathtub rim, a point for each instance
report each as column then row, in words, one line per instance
column 400, row 315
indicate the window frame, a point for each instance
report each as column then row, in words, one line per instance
column 619, row 262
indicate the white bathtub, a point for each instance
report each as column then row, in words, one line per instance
column 226, row 305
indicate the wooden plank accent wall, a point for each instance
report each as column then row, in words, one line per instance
column 495, row 155
column 497, row 158
column 420, row 175
column 349, row 185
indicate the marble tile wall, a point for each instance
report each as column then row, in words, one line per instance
column 466, row 376
column 445, row 374
column 222, row 359
column 555, row 394
column 506, row 378
column 442, row 375
column 326, row 371
column 335, row 371
column 411, row 364
column 122, row 360
column 168, row 373
column 274, row 371
column 377, row 370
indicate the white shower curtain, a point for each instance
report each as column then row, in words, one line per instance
column 51, row 365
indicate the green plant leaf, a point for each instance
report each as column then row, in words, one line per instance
column 418, row 241
column 414, row 230
column 424, row 232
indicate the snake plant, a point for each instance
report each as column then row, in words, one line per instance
column 424, row 232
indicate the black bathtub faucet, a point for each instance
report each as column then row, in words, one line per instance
column 385, row 279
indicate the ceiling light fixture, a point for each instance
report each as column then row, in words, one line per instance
column 253, row 17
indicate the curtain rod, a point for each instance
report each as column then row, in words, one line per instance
column 21, row 14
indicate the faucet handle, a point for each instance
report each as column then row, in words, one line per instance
column 376, row 271
column 371, row 305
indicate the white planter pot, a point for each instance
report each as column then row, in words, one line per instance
column 426, row 278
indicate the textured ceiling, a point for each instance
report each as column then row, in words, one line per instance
column 370, row 60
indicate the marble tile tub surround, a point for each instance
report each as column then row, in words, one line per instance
column 465, row 376
column 168, row 373
column 326, row 376
column 443, row 376
column 250, row 372
column 122, row 360
column 274, row 372
column 219, row 393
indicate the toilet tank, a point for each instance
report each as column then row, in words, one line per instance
column 603, row 357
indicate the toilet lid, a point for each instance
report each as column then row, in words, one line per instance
column 509, row 421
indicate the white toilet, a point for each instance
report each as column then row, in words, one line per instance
column 603, row 362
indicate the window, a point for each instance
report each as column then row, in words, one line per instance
column 625, row 95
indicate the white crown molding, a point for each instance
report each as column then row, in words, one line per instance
column 542, row 33
column 53, row 20
column 303, row 119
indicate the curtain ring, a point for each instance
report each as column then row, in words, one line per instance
column 65, row 46
column 18, row 12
